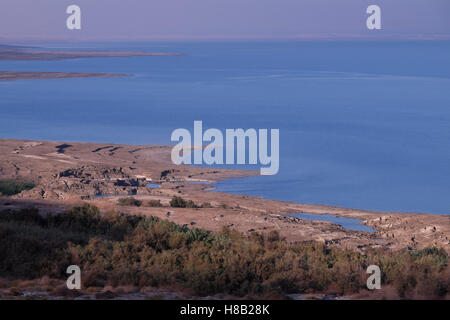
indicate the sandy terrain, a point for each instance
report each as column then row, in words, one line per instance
column 69, row 173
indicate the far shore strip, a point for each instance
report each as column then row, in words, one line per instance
column 19, row 54
column 20, row 75
column 12, row 53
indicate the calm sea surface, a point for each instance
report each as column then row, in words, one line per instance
column 362, row 124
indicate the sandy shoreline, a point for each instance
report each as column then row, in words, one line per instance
column 70, row 173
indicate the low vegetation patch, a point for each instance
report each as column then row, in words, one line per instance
column 178, row 202
column 130, row 202
column 121, row 250
column 206, row 205
column 152, row 203
column 12, row 187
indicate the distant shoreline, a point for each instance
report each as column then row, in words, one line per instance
column 14, row 54
column 20, row 75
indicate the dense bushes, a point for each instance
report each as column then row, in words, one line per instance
column 132, row 202
column 118, row 249
column 178, row 202
column 12, row 187
column 175, row 202
column 152, row 203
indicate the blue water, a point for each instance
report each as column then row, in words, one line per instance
column 362, row 124
column 347, row 223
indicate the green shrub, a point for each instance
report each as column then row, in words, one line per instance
column 129, row 202
column 12, row 187
column 152, row 203
column 178, row 202
column 190, row 204
column 206, row 205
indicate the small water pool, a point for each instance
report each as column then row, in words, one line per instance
column 153, row 186
column 347, row 223
column 102, row 196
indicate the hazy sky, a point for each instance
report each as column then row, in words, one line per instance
column 209, row 19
